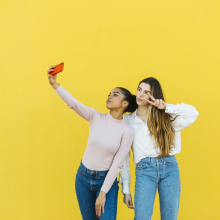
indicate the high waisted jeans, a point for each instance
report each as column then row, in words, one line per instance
column 153, row 172
column 88, row 184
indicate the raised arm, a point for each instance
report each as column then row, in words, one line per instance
column 82, row 110
column 186, row 114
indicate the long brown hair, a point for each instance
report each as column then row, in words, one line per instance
column 159, row 122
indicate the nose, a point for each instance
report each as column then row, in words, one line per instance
column 141, row 94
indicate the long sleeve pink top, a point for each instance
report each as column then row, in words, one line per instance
column 109, row 139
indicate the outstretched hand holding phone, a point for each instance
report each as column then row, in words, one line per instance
column 52, row 78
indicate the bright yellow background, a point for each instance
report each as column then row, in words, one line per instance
column 104, row 44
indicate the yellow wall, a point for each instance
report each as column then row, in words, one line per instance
column 104, row 44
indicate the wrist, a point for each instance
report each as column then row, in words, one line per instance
column 102, row 193
column 55, row 85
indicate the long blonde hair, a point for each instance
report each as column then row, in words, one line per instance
column 159, row 122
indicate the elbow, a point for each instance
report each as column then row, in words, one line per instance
column 196, row 114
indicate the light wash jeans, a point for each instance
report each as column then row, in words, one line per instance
column 88, row 184
column 153, row 172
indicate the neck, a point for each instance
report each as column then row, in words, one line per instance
column 116, row 114
column 142, row 109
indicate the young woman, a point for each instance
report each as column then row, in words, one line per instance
column 157, row 127
column 110, row 139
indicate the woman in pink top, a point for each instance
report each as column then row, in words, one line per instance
column 110, row 139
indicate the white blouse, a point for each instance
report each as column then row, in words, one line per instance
column 144, row 146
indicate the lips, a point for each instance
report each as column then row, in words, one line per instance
column 108, row 101
column 140, row 100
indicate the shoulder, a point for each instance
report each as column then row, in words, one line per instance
column 94, row 111
column 96, row 114
column 128, row 132
column 128, row 118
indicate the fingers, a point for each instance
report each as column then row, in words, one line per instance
column 159, row 103
column 98, row 210
column 51, row 69
column 151, row 96
column 50, row 76
column 152, row 103
column 103, row 209
column 130, row 204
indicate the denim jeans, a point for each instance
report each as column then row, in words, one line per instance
column 153, row 172
column 88, row 184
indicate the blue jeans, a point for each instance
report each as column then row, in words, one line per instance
column 88, row 184
column 153, row 172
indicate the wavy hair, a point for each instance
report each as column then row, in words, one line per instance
column 159, row 122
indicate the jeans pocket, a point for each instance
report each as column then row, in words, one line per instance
column 80, row 172
column 171, row 162
column 141, row 165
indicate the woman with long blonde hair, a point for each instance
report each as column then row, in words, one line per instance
column 157, row 127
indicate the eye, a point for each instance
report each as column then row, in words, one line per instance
column 146, row 92
column 139, row 89
column 115, row 95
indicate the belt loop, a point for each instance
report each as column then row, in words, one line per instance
column 148, row 160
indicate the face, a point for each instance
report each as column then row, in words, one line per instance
column 142, row 94
column 115, row 99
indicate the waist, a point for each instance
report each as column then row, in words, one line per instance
column 92, row 172
column 158, row 159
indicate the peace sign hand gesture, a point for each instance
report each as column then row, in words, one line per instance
column 159, row 103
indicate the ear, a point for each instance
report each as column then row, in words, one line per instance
column 125, row 104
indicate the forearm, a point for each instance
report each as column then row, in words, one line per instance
column 82, row 110
column 186, row 115
column 124, row 175
column 126, row 188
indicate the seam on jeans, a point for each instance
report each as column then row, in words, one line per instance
column 112, row 214
column 158, row 173
column 179, row 195
column 113, row 204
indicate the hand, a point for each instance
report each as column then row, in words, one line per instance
column 100, row 203
column 51, row 78
column 159, row 103
column 128, row 201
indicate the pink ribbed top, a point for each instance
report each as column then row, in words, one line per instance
column 109, row 139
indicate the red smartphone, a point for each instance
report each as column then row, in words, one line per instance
column 57, row 69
